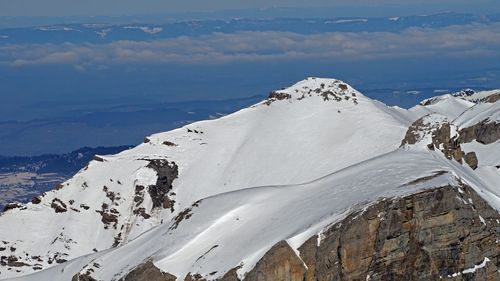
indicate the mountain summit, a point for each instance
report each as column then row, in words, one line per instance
column 317, row 182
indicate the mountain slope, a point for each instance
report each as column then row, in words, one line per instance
column 216, row 199
column 447, row 105
column 299, row 134
column 253, row 220
column 21, row 178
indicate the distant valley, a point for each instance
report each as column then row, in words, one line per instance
column 22, row 178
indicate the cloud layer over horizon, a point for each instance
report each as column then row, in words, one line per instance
column 474, row 40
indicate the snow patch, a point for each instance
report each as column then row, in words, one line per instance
column 146, row 29
column 346, row 21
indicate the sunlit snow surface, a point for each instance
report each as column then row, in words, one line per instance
column 280, row 170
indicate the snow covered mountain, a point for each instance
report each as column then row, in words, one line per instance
column 21, row 178
column 261, row 193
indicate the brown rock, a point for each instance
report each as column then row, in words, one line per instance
column 98, row 158
column 280, row 263
column 36, row 200
column 471, row 160
column 169, row 143
column 231, row 275
column 11, row 206
column 148, row 272
column 167, row 172
column 83, row 277
column 275, row 96
column 493, row 98
column 58, row 205
column 484, row 132
column 425, row 236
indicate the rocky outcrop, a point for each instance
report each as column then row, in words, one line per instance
column 492, row 98
column 327, row 89
column 442, row 139
column 436, row 234
column 447, row 233
column 412, row 135
column 280, row 263
column 82, row 277
column 11, row 206
column 36, row 200
column 109, row 217
column 148, row 272
column 434, row 125
column 471, row 160
column 275, row 96
column 58, row 205
column 436, row 131
column 484, row 132
column 167, row 172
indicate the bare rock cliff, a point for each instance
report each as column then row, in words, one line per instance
column 447, row 233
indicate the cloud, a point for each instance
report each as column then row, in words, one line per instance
column 219, row 48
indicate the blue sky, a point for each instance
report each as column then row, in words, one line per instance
column 128, row 7
column 222, row 48
column 61, row 80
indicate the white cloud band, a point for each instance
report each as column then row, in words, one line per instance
column 470, row 40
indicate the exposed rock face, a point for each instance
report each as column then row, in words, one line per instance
column 493, row 98
column 275, row 96
column 109, row 217
column 167, row 172
column 483, row 132
column 36, row 200
column 435, row 125
column 449, row 145
column 280, row 263
column 328, row 90
column 82, row 277
column 441, row 138
column 169, row 143
column 58, row 206
column 11, row 206
column 148, row 272
column 231, row 275
column 471, row 160
column 426, row 236
column 279, row 96
column 447, row 233
column 412, row 135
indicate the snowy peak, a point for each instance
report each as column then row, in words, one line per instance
column 469, row 95
column 214, row 196
column 480, row 96
column 423, row 131
column 324, row 88
column 437, row 99
column 119, row 197
column 460, row 134
column 457, row 104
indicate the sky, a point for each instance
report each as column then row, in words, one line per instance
column 128, row 7
column 251, row 46
column 113, row 81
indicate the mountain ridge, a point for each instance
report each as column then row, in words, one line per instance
column 285, row 169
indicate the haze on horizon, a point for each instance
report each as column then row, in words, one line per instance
column 120, row 70
column 61, row 8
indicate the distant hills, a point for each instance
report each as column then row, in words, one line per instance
column 24, row 177
column 106, row 30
